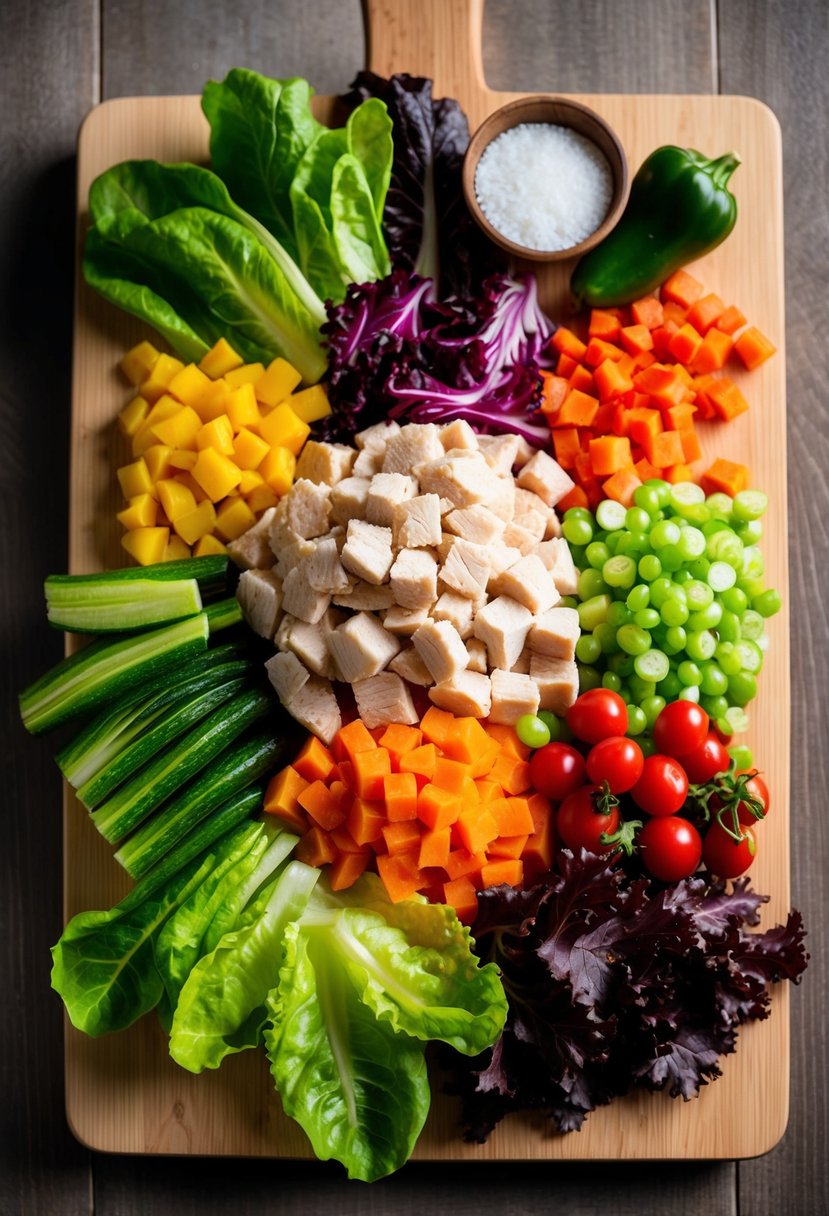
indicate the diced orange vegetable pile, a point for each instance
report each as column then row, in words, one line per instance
column 444, row 809
column 214, row 446
column 625, row 396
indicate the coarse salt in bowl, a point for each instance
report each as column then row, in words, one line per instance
column 545, row 177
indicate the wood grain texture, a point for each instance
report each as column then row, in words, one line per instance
column 124, row 1094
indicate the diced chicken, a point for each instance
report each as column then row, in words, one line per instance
column 466, row 569
column 417, row 522
column 324, row 569
column 404, row 621
column 260, row 596
column 283, row 633
column 414, row 579
column 348, row 499
column 385, row 493
column 377, row 436
column 309, row 507
column 441, row 648
column 556, row 556
column 300, row 599
column 557, row 681
column 458, row 610
column 525, row 502
column 282, row 535
column 287, row 675
column 315, row 707
column 513, row 695
column 546, row 478
column 530, row 521
column 555, row 633
column 458, row 434
column 476, row 523
column 502, row 625
column 522, row 664
column 384, row 699
column 521, row 538
column 501, row 557
column 464, row 480
column 553, row 526
column 529, row 583
column 368, row 462
column 365, row 597
column 477, row 655
column 325, row 462
column 310, row 643
column 501, row 501
column 361, row 647
column 412, row 445
column 252, row 550
column 410, row 667
column 468, row 694
column 367, row 551
column 524, row 453
column 294, row 555
column 500, row 451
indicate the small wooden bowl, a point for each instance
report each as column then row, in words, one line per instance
column 547, row 108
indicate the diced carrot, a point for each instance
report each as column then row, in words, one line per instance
column 725, row 476
column 648, row 312
column 662, row 337
column 421, row 761
column 622, row 484
column 604, row 324
column 644, row 470
column 503, row 871
column 464, row 741
column 636, row 339
column 281, row 798
column 691, row 447
column 584, row 465
column 437, row 726
column 677, row 473
column 603, row 422
column 645, row 359
column 398, row 739
column 476, row 827
column 567, row 343
column 538, row 852
column 541, row 810
column 342, row 839
column 553, row 391
column 730, row 320
column 611, row 380
column 682, row 288
column 621, row 419
column 664, row 449
column 674, row 313
column 597, row 351
column 579, row 409
column 726, row 399
column 679, row 417
column 434, row 848
column 351, row 740
column 685, row 343
column 450, row 775
column 644, row 422
column 400, row 793
column 481, row 764
column 705, row 312
column 488, row 790
column 753, row 347
column 460, row 895
column 316, row 848
column 511, row 773
column 507, row 846
column 461, row 863
column 582, row 379
column 713, row 352
column 566, row 446
column 702, row 401
column 402, row 836
column 398, row 876
column 370, row 767
column 608, row 454
column 437, row 808
column 512, row 816
column 365, row 821
column 566, row 366
column 346, row 770
column 346, row 869
column 577, row 497
column 509, row 742
column 664, row 384
column 315, row 762
column 322, row 805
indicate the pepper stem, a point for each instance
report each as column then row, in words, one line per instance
column 721, row 169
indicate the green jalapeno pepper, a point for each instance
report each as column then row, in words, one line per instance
column 679, row 208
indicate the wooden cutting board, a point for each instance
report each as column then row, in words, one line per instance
column 123, row 1093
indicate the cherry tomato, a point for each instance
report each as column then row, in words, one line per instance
column 758, row 789
column 670, row 848
column 616, row 760
column 579, row 823
column 726, row 857
column 663, row 786
column 557, row 770
column 597, row 714
column 706, row 761
column 680, row 728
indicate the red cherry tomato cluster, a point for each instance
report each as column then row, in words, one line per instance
column 695, row 808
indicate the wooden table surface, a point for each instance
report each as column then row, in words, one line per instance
column 58, row 58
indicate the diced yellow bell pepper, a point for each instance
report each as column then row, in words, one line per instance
column 233, row 518
column 220, row 359
column 190, row 386
column 242, row 408
column 142, row 512
column 156, row 383
column 183, row 458
column 284, row 429
column 146, row 545
column 196, row 523
column 278, row 470
column 311, row 404
column 157, row 459
column 250, row 480
column 187, row 479
column 217, row 434
column 139, row 362
column 216, row 475
column 133, row 416
column 175, row 498
column 214, row 402
column 248, row 373
column 260, row 498
column 176, row 549
column 278, row 382
column 208, row 545
column 179, row 430
column 249, row 450
column 135, row 479
column 145, row 437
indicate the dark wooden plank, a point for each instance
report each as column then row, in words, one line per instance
column 48, row 78
column 778, row 53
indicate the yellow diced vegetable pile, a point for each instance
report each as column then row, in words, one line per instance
column 214, row 446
